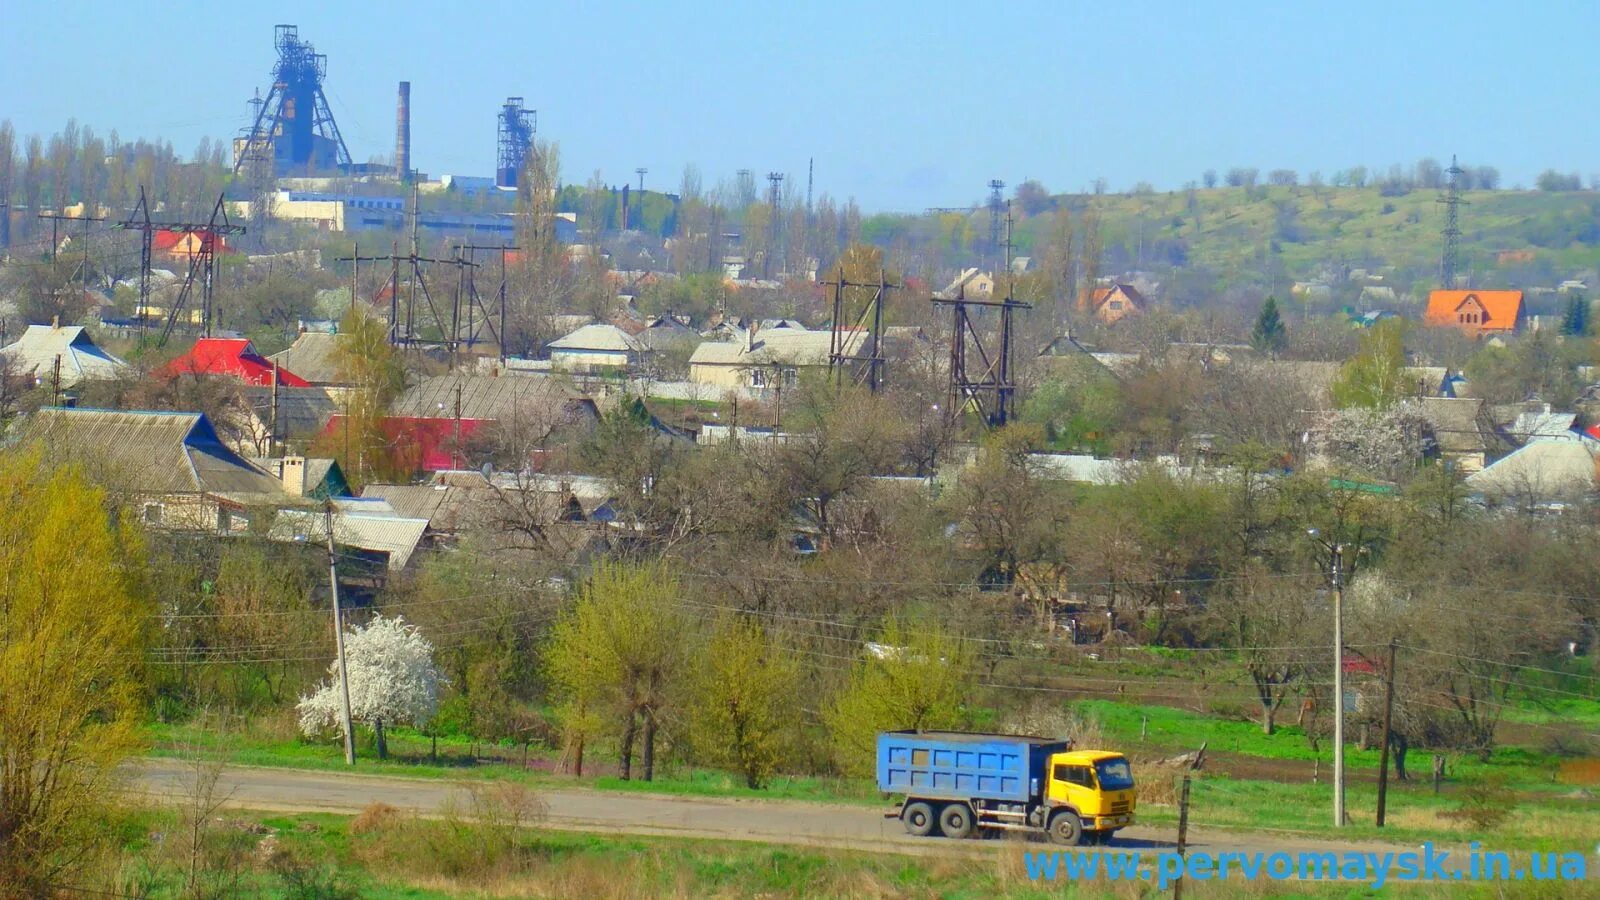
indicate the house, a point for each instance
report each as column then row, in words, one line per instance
column 188, row 244
column 43, row 347
column 970, row 284
column 235, row 358
column 438, row 423
column 319, row 479
column 768, row 358
column 265, row 418
column 1477, row 313
column 1461, row 431
column 1113, row 303
column 177, row 470
column 1542, row 474
column 567, row 508
column 596, row 347
column 313, row 357
column 373, row 528
column 665, row 332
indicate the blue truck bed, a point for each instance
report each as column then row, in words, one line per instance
column 958, row 765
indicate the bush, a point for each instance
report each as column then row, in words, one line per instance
column 1486, row 803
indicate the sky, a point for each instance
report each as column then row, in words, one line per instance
column 902, row 104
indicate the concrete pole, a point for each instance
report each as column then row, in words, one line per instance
column 1338, row 686
column 338, row 642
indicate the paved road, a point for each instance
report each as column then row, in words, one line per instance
column 766, row 821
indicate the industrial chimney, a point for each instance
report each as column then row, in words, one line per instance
column 402, row 133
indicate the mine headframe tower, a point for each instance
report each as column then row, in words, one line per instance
column 517, row 128
column 294, row 126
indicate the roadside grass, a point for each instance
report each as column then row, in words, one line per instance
column 411, row 755
column 405, row 858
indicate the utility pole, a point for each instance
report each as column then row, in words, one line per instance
column 272, row 433
column 457, row 447
column 1388, row 721
column 338, row 640
column 1338, row 685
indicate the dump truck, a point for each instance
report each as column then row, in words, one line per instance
column 961, row 785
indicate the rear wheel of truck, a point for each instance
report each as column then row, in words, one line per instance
column 918, row 818
column 955, row 821
column 1066, row 828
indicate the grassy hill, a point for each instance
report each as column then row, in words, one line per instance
column 1280, row 234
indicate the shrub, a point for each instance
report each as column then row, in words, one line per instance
column 1486, row 803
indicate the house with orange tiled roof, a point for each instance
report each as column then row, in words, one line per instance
column 1477, row 313
column 1113, row 303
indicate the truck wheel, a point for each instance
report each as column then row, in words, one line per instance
column 1066, row 828
column 955, row 821
column 918, row 818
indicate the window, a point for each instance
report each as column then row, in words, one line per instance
column 1115, row 304
column 1115, row 774
column 758, row 378
column 1079, row 775
column 152, row 514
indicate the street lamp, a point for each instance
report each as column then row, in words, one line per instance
column 1336, row 578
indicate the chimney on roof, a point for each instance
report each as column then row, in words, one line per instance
column 55, row 321
column 750, row 337
column 293, row 475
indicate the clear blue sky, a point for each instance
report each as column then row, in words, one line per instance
column 904, row 103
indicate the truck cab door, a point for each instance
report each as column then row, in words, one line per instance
column 1074, row 785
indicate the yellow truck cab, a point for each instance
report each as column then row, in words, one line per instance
column 1098, row 785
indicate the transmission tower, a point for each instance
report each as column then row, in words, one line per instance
column 775, row 226
column 517, row 128
column 857, row 340
column 1452, row 225
column 997, row 205
column 988, row 388
column 294, row 126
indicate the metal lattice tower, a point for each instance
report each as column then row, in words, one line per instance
column 1452, row 201
column 997, row 205
column 775, row 226
column 294, row 126
column 517, row 128
column 988, row 388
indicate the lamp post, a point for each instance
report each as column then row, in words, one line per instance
column 1336, row 578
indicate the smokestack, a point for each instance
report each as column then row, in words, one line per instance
column 402, row 133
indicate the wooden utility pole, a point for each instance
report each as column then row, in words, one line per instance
column 338, row 641
column 272, row 433
column 1338, row 685
column 1388, row 721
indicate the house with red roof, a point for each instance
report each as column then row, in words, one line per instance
column 1477, row 313
column 233, row 357
column 188, row 244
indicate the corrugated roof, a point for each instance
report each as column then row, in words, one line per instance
column 302, row 412
column 492, row 398
column 782, row 346
column 312, row 357
column 1541, row 471
column 1458, row 423
column 396, row 536
column 81, row 359
column 155, row 452
column 608, row 338
column 234, row 357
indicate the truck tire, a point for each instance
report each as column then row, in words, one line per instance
column 955, row 820
column 918, row 818
column 1066, row 828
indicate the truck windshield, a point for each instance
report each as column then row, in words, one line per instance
column 1115, row 774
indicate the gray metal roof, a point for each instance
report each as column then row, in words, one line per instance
column 154, row 452
column 302, row 412
column 600, row 337
column 40, row 346
column 312, row 357
column 494, row 398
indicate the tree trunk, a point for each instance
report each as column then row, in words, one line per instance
column 1400, row 746
column 627, row 745
column 649, row 743
column 383, row 745
column 577, row 758
column 1269, row 717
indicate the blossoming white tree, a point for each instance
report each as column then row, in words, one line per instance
column 392, row 680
